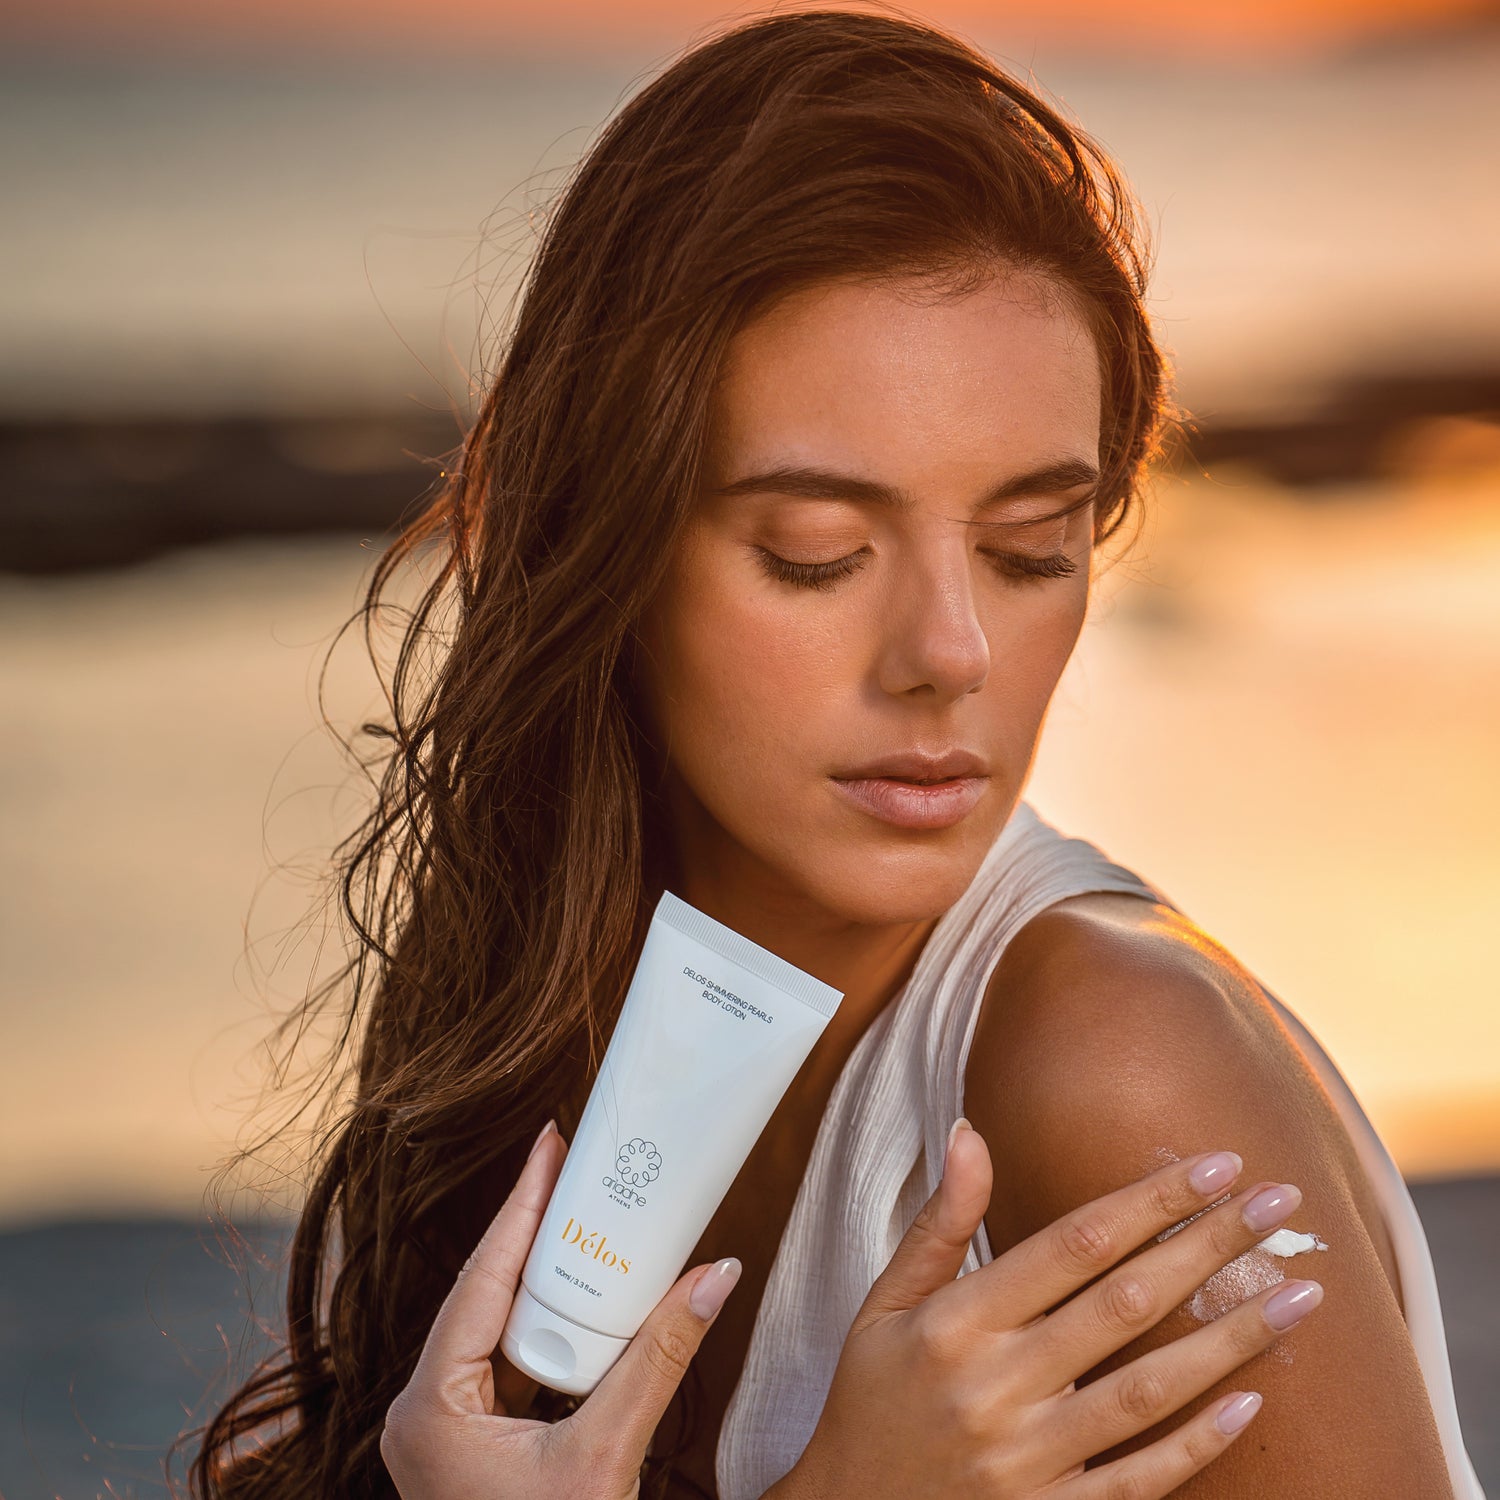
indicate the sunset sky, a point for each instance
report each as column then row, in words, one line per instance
column 1250, row 27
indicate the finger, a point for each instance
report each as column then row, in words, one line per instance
column 1049, row 1265
column 469, row 1323
column 625, row 1408
column 932, row 1250
column 1122, row 1305
column 1135, row 1397
column 1157, row 1470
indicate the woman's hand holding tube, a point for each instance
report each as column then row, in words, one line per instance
column 952, row 1385
column 449, row 1434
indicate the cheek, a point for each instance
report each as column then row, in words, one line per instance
column 1031, row 636
column 741, row 678
column 1057, row 633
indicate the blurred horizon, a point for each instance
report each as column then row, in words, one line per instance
column 279, row 231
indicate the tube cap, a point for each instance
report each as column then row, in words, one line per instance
column 555, row 1350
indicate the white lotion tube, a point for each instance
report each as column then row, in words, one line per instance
column 712, row 1031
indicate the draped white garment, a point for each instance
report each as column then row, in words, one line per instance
column 879, row 1150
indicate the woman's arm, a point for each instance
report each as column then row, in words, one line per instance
column 1117, row 1035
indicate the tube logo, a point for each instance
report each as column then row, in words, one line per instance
column 638, row 1164
column 592, row 1245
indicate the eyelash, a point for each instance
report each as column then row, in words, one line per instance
column 824, row 576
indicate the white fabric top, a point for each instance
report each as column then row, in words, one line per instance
column 879, row 1152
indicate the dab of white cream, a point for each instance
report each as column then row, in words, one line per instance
column 1287, row 1242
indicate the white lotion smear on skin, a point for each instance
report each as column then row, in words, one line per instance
column 1287, row 1242
column 1244, row 1276
column 711, row 1033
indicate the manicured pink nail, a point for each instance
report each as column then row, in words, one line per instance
column 1270, row 1206
column 1237, row 1411
column 1291, row 1303
column 549, row 1126
column 713, row 1286
column 1214, row 1173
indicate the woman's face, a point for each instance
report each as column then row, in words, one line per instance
column 907, row 624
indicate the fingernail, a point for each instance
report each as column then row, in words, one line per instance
column 1237, row 1412
column 1291, row 1303
column 713, row 1286
column 961, row 1123
column 1214, row 1173
column 549, row 1126
column 1270, row 1206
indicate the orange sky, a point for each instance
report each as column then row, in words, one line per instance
column 592, row 25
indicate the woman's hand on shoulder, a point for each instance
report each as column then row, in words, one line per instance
column 1110, row 1043
column 449, row 1434
column 952, row 1385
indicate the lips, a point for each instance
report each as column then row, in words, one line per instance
column 906, row 805
column 918, row 766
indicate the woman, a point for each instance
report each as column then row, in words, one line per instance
column 830, row 375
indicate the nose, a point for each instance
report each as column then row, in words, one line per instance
column 933, row 643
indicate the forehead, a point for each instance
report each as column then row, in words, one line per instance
column 895, row 377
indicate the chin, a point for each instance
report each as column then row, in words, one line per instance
column 896, row 884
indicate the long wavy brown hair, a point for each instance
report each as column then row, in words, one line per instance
column 499, row 889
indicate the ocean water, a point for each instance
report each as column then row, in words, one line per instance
column 1284, row 714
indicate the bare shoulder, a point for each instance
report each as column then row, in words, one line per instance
column 1116, row 1034
column 1129, row 1022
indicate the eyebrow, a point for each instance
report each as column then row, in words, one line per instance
column 826, row 484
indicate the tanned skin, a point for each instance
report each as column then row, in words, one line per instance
column 1113, row 1030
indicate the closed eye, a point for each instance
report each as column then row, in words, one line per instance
column 826, row 576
